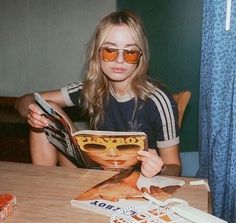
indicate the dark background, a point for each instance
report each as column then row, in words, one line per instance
column 174, row 32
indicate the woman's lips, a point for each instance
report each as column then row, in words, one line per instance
column 118, row 70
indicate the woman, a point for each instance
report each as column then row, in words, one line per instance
column 117, row 96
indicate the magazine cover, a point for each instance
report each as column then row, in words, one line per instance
column 90, row 148
column 125, row 189
column 111, row 150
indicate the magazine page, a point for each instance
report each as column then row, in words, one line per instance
column 149, row 213
column 58, row 132
column 172, row 210
column 121, row 191
column 112, row 150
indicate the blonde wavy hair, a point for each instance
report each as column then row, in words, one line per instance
column 96, row 85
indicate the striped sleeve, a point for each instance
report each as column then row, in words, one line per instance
column 168, row 134
column 71, row 93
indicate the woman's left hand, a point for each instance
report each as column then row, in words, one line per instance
column 152, row 163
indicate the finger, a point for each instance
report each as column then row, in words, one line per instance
column 34, row 108
column 151, row 167
column 148, row 172
column 37, row 117
column 35, row 125
column 37, row 120
column 155, row 164
column 142, row 158
column 153, row 151
column 153, row 158
column 145, row 154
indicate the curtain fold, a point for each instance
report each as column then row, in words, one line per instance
column 217, row 115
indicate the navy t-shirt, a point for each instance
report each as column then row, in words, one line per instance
column 157, row 117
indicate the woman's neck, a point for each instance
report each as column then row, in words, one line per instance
column 121, row 91
column 120, row 88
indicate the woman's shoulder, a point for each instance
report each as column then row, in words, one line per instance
column 160, row 93
column 161, row 103
column 72, row 93
column 74, row 86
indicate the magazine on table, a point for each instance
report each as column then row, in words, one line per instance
column 129, row 197
column 172, row 210
column 91, row 148
column 125, row 189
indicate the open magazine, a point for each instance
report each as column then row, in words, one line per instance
column 129, row 197
column 125, row 189
column 91, row 148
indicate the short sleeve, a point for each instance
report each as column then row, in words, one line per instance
column 72, row 93
column 165, row 119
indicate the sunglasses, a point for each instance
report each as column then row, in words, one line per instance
column 100, row 145
column 130, row 56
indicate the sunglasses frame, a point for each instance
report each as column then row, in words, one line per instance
column 124, row 51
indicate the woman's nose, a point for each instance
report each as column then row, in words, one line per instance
column 120, row 57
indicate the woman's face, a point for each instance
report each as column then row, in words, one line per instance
column 112, row 153
column 115, row 65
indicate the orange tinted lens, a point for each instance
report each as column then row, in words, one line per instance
column 131, row 56
column 109, row 54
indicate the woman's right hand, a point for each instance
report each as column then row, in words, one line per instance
column 35, row 118
column 27, row 108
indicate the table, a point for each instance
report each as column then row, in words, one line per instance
column 44, row 193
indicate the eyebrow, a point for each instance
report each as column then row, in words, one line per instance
column 113, row 44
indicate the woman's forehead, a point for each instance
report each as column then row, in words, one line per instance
column 120, row 36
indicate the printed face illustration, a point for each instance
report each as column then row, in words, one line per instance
column 120, row 186
column 113, row 152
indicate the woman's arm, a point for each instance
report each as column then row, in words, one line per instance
column 42, row 152
column 24, row 101
column 171, row 158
